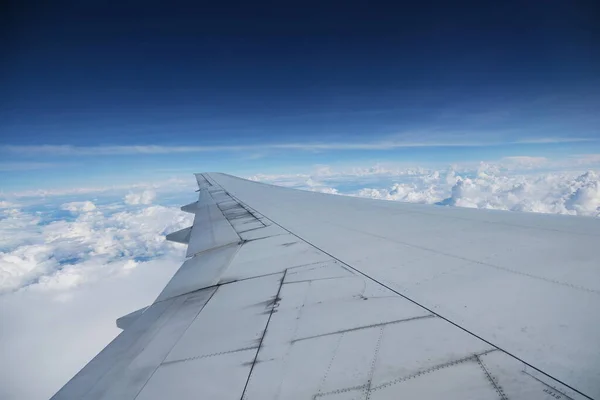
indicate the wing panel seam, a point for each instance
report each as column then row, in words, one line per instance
column 262, row 338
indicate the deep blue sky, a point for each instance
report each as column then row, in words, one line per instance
column 485, row 73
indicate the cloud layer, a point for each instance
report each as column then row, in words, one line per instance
column 513, row 184
column 93, row 243
column 47, row 336
column 67, row 271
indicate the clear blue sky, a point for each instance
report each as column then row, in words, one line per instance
column 264, row 88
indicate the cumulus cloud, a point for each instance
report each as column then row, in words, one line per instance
column 585, row 199
column 77, row 207
column 409, row 192
column 145, row 197
column 315, row 186
column 94, row 245
column 512, row 183
column 64, row 280
column 543, row 193
column 16, row 228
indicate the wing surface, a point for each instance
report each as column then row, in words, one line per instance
column 299, row 295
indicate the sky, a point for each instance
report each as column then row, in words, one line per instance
column 107, row 109
column 95, row 89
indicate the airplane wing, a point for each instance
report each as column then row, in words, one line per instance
column 289, row 294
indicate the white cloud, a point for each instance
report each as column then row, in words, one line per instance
column 402, row 192
column 66, row 253
column 169, row 185
column 526, row 161
column 586, row 159
column 585, row 199
column 7, row 204
column 394, row 142
column 513, row 183
column 29, row 166
column 316, row 186
column 553, row 193
column 46, row 337
column 79, row 206
column 64, row 283
column 145, row 197
column 17, row 228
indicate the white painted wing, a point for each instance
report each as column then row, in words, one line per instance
column 299, row 295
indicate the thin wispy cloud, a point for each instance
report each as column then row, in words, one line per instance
column 166, row 185
column 29, row 166
column 69, row 150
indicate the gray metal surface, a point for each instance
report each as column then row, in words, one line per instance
column 308, row 304
column 529, row 283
